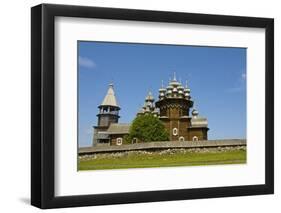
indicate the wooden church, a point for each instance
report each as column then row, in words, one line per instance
column 174, row 107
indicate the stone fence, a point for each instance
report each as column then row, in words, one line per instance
column 163, row 145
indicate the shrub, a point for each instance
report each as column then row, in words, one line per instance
column 148, row 128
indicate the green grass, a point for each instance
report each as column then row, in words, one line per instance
column 162, row 160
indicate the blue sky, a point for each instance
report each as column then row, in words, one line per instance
column 215, row 75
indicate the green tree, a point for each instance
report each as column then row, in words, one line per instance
column 148, row 128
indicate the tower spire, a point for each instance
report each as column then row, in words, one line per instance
column 175, row 76
column 110, row 99
column 109, row 109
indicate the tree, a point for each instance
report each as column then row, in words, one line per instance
column 148, row 128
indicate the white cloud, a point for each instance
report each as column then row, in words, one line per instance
column 86, row 62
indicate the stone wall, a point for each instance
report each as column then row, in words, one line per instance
column 164, row 145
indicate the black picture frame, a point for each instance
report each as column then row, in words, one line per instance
column 43, row 105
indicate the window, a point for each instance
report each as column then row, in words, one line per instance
column 181, row 138
column 175, row 131
column 195, row 138
column 134, row 140
column 119, row 141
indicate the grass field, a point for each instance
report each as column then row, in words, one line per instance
column 160, row 159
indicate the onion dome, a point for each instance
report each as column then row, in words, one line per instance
column 197, row 121
column 169, row 87
column 187, row 90
column 162, row 91
column 161, row 94
column 149, row 97
column 175, row 89
column 180, row 87
column 148, row 106
column 174, row 82
column 187, row 95
column 195, row 112
column 169, row 91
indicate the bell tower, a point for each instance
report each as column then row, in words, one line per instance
column 109, row 109
column 174, row 104
column 108, row 113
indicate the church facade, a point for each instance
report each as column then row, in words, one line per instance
column 174, row 107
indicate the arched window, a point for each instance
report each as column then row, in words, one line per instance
column 175, row 131
column 195, row 138
column 135, row 140
column 181, row 138
column 119, row 141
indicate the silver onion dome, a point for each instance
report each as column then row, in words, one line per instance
column 195, row 112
